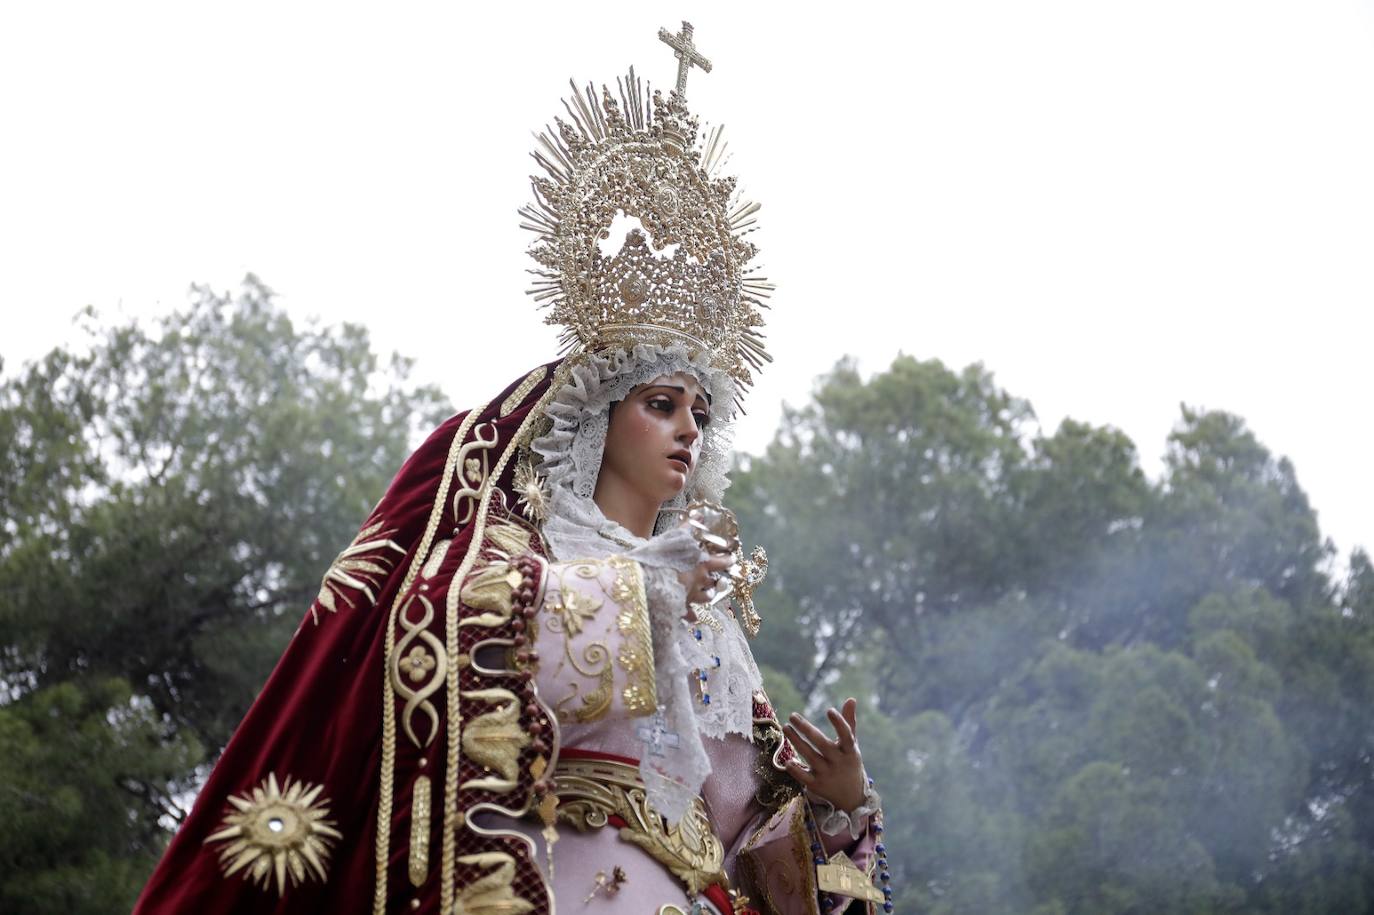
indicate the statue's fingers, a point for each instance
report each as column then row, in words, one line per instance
column 801, row 773
column 851, row 715
column 803, row 746
column 813, row 733
column 843, row 730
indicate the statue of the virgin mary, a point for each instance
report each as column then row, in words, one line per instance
column 527, row 683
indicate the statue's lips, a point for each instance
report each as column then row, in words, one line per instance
column 682, row 461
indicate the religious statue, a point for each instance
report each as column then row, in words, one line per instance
column 526, row 685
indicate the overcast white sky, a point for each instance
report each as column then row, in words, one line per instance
column 1116, row 206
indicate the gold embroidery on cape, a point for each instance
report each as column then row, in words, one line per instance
column 590, row 791
column 453, row 816
column 491, row 893
column 494, row 740
column 569, row 610
column 491, row 589
column 360, row 566
column 474, row 471
column 420, row 803
column 409, row 661
column 386, row 786
column 417, row 664
column 277, row 834
column 436, row 558
column 522, row 390
column 636, row 654
column 530, row 486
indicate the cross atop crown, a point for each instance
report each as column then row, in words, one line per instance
column 686, row 54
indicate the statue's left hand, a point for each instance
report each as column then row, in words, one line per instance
column 834, row 769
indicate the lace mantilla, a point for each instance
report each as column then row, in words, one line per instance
column 570, row 453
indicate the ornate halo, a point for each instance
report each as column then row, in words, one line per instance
column 682, row 274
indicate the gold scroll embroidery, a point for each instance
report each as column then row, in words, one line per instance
column 570, row 610
column 360, row 566
column 277, row 834
column 636, row 653
column 494, row 739
column 491, row 893
column 386, row 787
column 410, row 664
column 474, row 471
column 418, row 866
column 573, row 609
column 522, row 390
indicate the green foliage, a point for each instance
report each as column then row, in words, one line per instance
column 75, row 761
column 1083, row 691
column 169, row 499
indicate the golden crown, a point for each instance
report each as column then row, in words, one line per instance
column 639, row 156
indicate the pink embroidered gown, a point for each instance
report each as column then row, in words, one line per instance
column 596, row 673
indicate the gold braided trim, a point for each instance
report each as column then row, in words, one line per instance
column 523, row 390
column 590, row 791
column 386, row 789
column 448, row 876
column 418, row 864
column 636, row 654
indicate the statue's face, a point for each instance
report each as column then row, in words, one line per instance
column 654, row 439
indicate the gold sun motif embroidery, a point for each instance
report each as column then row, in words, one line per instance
column 534, row 496
column 277, row 836
column 359, row 567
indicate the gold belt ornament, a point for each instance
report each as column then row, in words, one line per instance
column 591, row 791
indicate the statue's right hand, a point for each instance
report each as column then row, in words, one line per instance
column 701, row 582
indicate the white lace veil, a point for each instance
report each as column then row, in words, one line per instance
column 569, row 457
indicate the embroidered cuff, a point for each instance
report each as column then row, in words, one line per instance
column 832, row 822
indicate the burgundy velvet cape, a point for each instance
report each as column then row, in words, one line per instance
column 331, row 706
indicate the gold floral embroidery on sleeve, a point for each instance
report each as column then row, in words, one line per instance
column 636, row 654
column 570, row 610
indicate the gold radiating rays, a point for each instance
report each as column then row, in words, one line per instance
column 277, row 837
column 360, row 566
